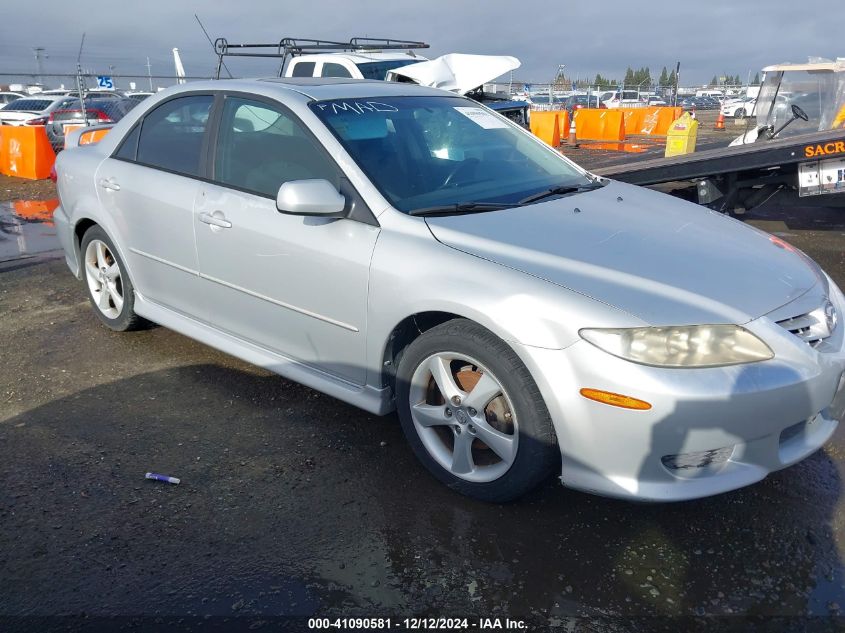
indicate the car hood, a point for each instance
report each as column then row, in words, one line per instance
column 456, row 71
column 662, row 260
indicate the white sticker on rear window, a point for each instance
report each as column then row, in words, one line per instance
column 482, row 117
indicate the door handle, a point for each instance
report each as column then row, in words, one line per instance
column 215, row 220
column 109, row 184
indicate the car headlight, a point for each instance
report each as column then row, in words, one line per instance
column 681, row 346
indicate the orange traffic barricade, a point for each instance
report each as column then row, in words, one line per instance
column 593, row 124
column 563, row 124
column 634, row 120
column 651, row 121
column 26, row 152
column 545, row 125
column 665, row 118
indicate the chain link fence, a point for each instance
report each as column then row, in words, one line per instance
column 31, row 83
column 639, row 96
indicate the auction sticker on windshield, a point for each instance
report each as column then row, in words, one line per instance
column 482, row 117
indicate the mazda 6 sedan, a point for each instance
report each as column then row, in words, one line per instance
column 402, row 248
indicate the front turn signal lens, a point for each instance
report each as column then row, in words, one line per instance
column 615, row 399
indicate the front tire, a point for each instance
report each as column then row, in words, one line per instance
column 472, row 413
column 109, row 289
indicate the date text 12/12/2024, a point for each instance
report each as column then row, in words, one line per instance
column 416, row 624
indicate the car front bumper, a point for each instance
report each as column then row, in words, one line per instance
column 708, row 431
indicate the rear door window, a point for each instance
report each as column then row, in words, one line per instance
column 330, row 69
column 172, row 135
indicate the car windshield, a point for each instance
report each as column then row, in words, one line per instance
column 30, row 105
column 435, row 151
column 378, row 70
column 819, row 93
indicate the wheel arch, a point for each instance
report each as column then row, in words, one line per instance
column 411, row 327
column 403, row 334
column 85, row 223
column 79, row 229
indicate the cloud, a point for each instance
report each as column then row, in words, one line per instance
column 708, row 38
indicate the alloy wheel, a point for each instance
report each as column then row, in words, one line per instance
column 463, row 417
column 104, row 281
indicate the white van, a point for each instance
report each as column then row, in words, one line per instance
column 622, row 99
column 716, row 94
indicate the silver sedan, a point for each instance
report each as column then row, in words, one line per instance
column 400, row 247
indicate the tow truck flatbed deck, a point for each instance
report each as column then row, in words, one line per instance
column 763, row 155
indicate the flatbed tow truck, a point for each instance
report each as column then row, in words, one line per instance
column 797, row 156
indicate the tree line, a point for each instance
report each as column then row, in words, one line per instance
column 642, row 77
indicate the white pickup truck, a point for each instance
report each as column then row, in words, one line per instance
column 384, row 59
column 363, row 65
column 463, row 74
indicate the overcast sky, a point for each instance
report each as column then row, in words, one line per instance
column 709, row 37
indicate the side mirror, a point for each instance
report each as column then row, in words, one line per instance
column 310, row 197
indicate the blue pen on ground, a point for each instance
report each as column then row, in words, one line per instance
column 164, row 478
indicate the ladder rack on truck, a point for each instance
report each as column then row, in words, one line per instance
column 739, row 178
column 293, row 46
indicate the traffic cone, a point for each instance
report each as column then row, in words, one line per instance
column 572, row 139
column 720, row 122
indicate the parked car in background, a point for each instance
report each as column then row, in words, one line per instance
column 622, row 99
column 687, row 103
column 655, row 101
column 138, row 95
column 21, row 111
column 578, row 102
column 699, row 103
column 69, row 92
column 8, row 97
column 647, row 348
column 97, row 112
column 714, row 94
column 53, row 92
column 738, row 108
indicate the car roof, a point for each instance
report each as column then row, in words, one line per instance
column 317, row 88
column 828, row 66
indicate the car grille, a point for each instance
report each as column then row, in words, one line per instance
column 686, row 461
column 812, row 327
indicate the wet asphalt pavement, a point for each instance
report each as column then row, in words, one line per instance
column 293, row 503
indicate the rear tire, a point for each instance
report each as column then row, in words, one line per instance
column 740, row 113
column 472, row 413
column 109, row 288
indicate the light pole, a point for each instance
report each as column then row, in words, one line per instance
column 39, row 63
column 560, row 69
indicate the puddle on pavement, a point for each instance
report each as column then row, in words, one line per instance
column 26, row 229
